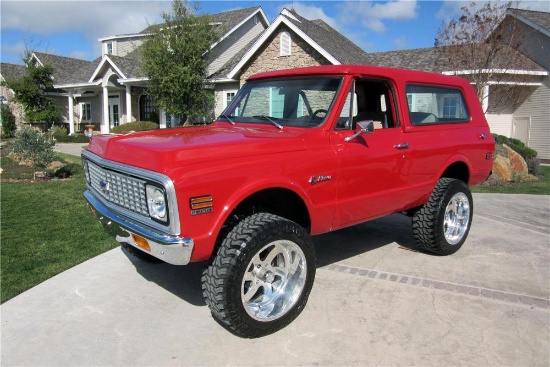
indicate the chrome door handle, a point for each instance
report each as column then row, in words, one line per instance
column 401, row 146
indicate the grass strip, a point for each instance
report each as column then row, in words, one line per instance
column 46, row 229
column 540, row 187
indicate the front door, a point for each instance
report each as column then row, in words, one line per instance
column 521, row 129
column 114, row 110
column 372, row 168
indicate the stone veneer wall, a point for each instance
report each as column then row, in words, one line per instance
column 16, row 108
column 268, row 56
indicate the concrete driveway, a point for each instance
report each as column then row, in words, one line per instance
column 375, row 301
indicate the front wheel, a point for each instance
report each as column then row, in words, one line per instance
column 260, row 279
column 443, row 223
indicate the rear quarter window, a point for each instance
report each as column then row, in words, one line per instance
column 430, row 105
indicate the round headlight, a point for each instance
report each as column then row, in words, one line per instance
column 156, row 202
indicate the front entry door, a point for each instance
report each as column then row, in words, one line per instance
column 114, row 111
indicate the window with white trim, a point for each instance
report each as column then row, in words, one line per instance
column 85, row 111
column 109, row 48
column 286, row 44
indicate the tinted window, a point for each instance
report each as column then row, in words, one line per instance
column 436, row 105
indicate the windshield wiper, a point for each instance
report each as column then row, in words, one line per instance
column 228, row 119
column 270, row 119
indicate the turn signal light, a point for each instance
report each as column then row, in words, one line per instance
column 141, row 242
column 201, row 202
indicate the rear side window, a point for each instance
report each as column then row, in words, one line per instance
column 436, row 105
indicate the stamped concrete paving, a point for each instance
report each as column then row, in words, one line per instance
column 375, row 301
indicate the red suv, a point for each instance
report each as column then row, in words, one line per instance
column 296, row 153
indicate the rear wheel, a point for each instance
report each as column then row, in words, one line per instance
column 261, row 277
column 442, row 225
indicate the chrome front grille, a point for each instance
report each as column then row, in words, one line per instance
column 117, row 188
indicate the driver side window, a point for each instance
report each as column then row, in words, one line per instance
column 372, row 100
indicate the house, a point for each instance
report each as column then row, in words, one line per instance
column 110, row 90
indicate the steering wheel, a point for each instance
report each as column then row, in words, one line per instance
column 321, row 110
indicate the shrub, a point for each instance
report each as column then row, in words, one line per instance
column 520, row 177
column 56, row 131
column 32, row 147
column 533, row 165
column 8, row 122
column 69, row 170
column 72, row 139
column 135, row 126
column 516, row 145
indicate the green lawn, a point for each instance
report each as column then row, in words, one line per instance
column 541, row 187
column 45, row 229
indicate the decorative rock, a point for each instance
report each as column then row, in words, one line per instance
column 501, row 168
column 517, row 163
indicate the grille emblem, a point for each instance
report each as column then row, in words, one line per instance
column 105, row 187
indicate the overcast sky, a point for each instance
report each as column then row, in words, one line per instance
column 72, row 28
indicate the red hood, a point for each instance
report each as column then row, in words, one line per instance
column 165, row 148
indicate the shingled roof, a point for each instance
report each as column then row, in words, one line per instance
column 65, row 69
column 540, row 18
column 228, row 19
column 340, row 47
column 434, row 60
column 12, row 72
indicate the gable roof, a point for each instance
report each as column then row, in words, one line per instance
column 12, row 72
column 539, row 20
column 64, row 68
column 229, row 19
column 340, row 47
column 333, row 46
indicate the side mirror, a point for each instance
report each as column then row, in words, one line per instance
column 364, row 127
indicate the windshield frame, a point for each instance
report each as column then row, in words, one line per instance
column 242, row 96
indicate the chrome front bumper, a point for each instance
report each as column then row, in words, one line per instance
column 171, row 249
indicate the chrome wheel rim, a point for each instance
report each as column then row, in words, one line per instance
column 274, row 280
column 457, row 218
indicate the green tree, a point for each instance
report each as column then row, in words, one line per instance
column 31, row 91
column 175, row 60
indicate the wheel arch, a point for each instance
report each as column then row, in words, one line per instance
column 458, row 169
column 280, row 201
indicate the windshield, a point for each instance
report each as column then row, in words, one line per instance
column 300, row 102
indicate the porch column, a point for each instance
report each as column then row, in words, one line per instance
column 162, row 119
column 128, row 103
column 485, row 101
column 105, row 123
column 71, row 113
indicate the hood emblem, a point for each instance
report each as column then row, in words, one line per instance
column 314, row 179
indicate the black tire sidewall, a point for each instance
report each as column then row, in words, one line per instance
column 454, row 187
column 273, row 230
